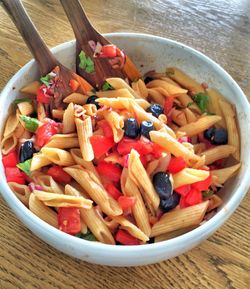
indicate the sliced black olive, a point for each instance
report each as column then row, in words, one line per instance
column 131, row 128
column 220, row 136
column 92, row 100
column 26, row 151
column 170, row 203
column 148, row 79
column 208, row 133
column 146, row 127
column 162, row 185
column 155, row 109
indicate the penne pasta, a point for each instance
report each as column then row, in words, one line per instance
column 140, row 88
column 156, row 96
column 214, row 202
column 69, row 119
column 31, row 88
column 58, row 113
column 90, row 109
column 39, row 160
column 116, row 123
column 25, row 108
column 42, row 211
column 11, row 124
column 190, row 116
column 58, row 156
column 170, row 88
column 48, row 184
column 199, row 125
column 189, row 176
column 187, row 101
column 179, row 117
column 63, row 141
column 84, row 132
column 21, row 191
column 41, row 114
column 217, row 153
column 118, row 83
column 8, row 144
column 143, row 103
column 222, row 175
column 76, row 98
column 122, row 92
column 180, row 219
column 174, row 234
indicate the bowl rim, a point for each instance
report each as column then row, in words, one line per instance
column 27, row 217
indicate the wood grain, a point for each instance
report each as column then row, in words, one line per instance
column 220, row 29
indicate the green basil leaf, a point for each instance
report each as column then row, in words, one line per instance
column 86, row 63
column 88, row 236
column 201, row 100
column 31, row 124
column 46, row 79
column 25, row 166
column 106, row 86
column 19, row 100
column 207, row 193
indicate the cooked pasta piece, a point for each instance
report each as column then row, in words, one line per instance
column 21, row 191
column 143, row 103
column 11, row 123
column 19, row 131
column 199, row 148
column 42, row 211
column 90, row 109
column 8, row 144
column 59, row 200
column 118, row 83
column 31, row 88
column 174, row 234
column 190, row 116
column 25, row 108
column 138, row 174
column 122, row 92
column 217, row 153
column 69, row 119
column 222, row 175
column 116, row 103
column 84, row 132
column 48, row 184
column 233, row 134
column 131, row 228
column 116, row 123
column 180, row 219
column 184, row 80
column 189, row 176
column 214, row 202
column 179, row 117
column 58, row 113
column 39, row 160
column 200, row 125
column 63, row 141
column 170, row 88
column 187, row 101
column 95, row 189
column 155, row 96
column 41, row 114
column 76, row 98
column 140, row 88
column 58, row 156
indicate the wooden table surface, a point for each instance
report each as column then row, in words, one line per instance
column 221, row 30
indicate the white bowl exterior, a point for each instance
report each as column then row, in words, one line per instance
column 153, row 53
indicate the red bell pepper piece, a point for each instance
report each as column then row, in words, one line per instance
column 109, row 50
column 157, row 150
column 43, row 94
column 126, row 145
column 203, row 185
column 107, row 130
column 45, row 132
column 183, row 203
column 10, row 160
column 113, row 191
column 183, row 190
column 69, row 220
column 74, row 84
column 193, row 197
column 126, row 202
column 14, row 175
column 125, row 238
column 59, row 175
column 109, row 171
column 101, row 144
column 176, row 164
column 168, row 104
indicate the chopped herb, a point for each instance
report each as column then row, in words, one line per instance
column 201, row 99
column 31, row 124
column 88, row 236
column 19, row 100
column 207, row 193
column 86, row 63
column 25, row 166
column 106, row 86
column 190, row 103
column 46, row 79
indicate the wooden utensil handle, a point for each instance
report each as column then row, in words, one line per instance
column 79, row 21
column 23, row 23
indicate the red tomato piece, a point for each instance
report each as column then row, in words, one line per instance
column 69, row 220
column 101, row 144
column 107, row 130
column 59, row 175
column 193, row 197
column 45, row 132
column 109, row 51
column 15, row 175
column 126, row 145
column 109, row 171
column 183, row 204
column 176, row 164
column 10, row 160
column 143, row 160
column 203, row 185
column 183, row 190
column 43, row 95
column 113, row 191
column 125, row 238
column 74, row 84
column 157, row 150
column 126, row 202
column 168, row 104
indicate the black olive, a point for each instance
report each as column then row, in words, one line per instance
column 26, row 151
column 208, row 133
column 148, row 79
column 170, row 203
column 131, row 128
column 146, row 127
column 219, row 137
column 155, row 109
column 92, row 100
column 162, row 185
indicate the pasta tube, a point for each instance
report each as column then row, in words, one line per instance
column 122, row 92
column 39, row 160
column 58, row 156
column 116, row 122
column 170, row 88
column 118, row 83
column 222, row 175
column 21, row 191
column 69, row 119
column 31, row 88
column 63, row 141
column 217, row 153
column 76, row 98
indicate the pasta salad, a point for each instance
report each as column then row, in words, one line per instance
column 129, row 164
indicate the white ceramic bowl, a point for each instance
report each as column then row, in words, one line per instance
column 153, row 53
